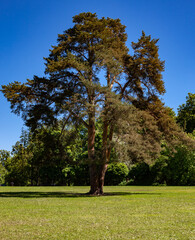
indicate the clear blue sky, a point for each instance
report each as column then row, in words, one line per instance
column 29, row 28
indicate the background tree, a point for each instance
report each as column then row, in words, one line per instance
column 4, row 157
column 186, row 114
column 17, row 166
column 180, row 168
column 140, row 174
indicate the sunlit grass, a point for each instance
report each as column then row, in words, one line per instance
column 123, row 213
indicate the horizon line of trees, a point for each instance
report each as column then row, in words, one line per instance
column 57, row 156
column 172, row 169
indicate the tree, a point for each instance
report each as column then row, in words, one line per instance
column 17, row 166
column 181, row 167
column 2, row 174
column 186, row 114
column 75, row 88
column 4, row 157
column 140, row 174
column 40, row 157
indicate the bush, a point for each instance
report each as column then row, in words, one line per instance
column 158, row 171
column 2, row 174
column 116, row 173
column 140, row 175
column 77, row 175
column 181, row 168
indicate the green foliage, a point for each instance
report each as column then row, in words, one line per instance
column 180, row 169
column 159, row 168
column 17, row 166
column 171, row 168
column 158, row 171
column 186, row 114
column 140, row 175
column 69, row 174
column 4, row 157
column 2, row 174
column 49, row 156
column 116, row 173
column 38, row 159
column 77, row 175
column 171, row 112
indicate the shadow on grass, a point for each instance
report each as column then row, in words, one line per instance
column 66, row 194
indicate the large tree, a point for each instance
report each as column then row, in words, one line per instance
column 91, row 76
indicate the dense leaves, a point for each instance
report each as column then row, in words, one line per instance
column 4, row 158
column 116, row 173
column 176, row 169
column 186, row 114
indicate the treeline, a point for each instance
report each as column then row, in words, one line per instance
column 58, row 156
column 53, row 157
column 176, row 169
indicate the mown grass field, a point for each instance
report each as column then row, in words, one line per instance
column 123, row 213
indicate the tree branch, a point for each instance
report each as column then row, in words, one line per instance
column 79, row 118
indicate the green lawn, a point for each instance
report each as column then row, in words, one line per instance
column 123, row 213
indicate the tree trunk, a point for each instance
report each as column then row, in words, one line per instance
column 98, row 169
column 94, row 182
column 97, row 175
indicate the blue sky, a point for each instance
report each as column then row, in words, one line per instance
column 29, row 28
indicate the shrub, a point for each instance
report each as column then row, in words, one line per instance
column 116, row 173
column 181, row 168
column 158, row 171
column 140, row 174
column 76, row 175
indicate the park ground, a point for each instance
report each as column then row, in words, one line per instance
column 124, row 212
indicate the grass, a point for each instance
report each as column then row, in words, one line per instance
column 123, row 213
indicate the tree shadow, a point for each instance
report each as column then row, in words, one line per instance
column 66, row 194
